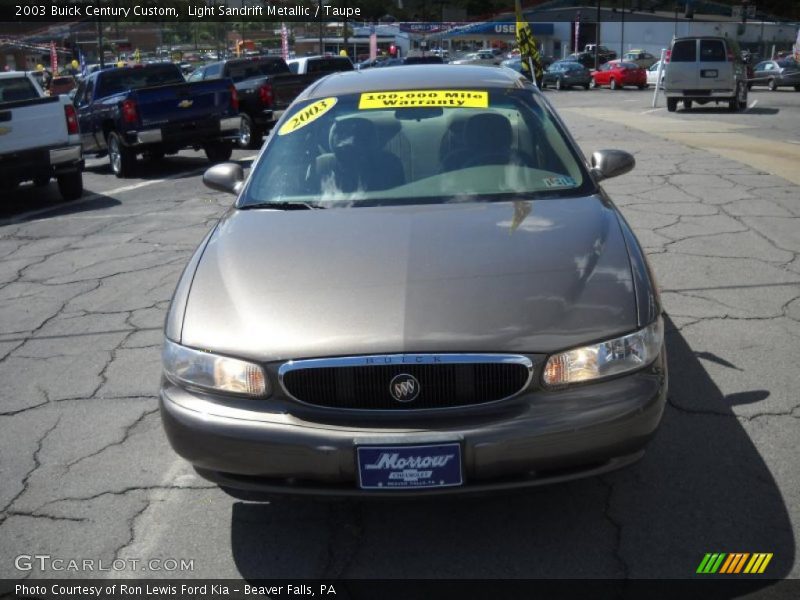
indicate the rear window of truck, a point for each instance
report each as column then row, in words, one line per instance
column 712, row 51
column 16, row 89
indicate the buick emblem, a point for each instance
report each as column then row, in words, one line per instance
column 404, row 387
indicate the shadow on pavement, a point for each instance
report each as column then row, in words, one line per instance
column 702, row 487
column 176, row 167
column 711, row 109
column 47, row 202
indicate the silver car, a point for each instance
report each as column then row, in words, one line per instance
column 420, row 289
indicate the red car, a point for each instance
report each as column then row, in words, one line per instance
column 619, row 74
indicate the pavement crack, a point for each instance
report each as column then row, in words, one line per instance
column 607, row 513
column 127, row 432
column 36, row 464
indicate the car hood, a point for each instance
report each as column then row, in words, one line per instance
column 526, row 276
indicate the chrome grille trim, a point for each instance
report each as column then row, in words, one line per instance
column 405, row 359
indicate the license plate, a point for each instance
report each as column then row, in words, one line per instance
column 709, row 73
column 409, row 467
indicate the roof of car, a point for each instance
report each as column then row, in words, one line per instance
column 414, row 77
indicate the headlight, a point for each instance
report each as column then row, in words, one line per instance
column 187, row 366
column 612, row 357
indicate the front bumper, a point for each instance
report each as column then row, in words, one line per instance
column 538, row 437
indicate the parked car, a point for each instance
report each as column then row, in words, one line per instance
column 474, row 318
column 430, row 59
column 39, row 137
column 63, row 84
column 602, row 51
column 482, row 57
column 617, row 74
column 639, row 57
column 776, row 73
column 566, row 75
column 151, row 109
column 652, row 73
column 705, row 69
column 265, row 87
column 319, row 65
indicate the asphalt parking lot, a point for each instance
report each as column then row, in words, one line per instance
column 87, row 471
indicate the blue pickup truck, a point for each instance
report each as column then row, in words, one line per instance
column 151, row 110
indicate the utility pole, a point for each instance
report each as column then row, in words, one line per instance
column 622, row 33
column 100, row 42
column 597, row 39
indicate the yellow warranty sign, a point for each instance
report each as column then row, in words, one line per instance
column 307, row 115
column 425, row 98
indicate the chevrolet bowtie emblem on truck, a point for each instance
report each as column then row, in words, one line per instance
column 5, row 130
column 185, row 103
column 404, row 387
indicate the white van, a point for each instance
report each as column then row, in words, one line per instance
column 705, row 69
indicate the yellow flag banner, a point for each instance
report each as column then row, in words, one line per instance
column 528, row 52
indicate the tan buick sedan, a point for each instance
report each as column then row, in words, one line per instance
column 420, row 289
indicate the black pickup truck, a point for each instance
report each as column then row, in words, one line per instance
column 266, row 87
column 152, row 110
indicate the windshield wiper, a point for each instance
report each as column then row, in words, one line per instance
column 283, row 206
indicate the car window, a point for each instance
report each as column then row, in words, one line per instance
column 17, row 88
column 761, row 66
column 213, row 71
column 684, row 51
column 196, row 76
column 712, row 51
column 430, row 146
column 294, row 67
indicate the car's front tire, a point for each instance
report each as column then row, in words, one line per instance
column 672, row 104
column 613, row 84
column 593, row 84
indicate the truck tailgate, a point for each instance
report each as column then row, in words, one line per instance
column 285, row 88
column 181, row 102
column 28, row 124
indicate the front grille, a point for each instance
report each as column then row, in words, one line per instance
column 443, row 381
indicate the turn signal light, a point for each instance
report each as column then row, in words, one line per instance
column 129, row 113
column 72, row 119
column 265, row 95
column 234, row 99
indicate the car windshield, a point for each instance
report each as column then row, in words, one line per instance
column 417, row 146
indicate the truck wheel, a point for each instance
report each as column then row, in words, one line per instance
column 593, row 83
column 672, row 104
column 70, row 185
column 122, row 159
column 773, row 85
column 218, row 151
column 559, row 85
column 41, row 180
column 797, row 88
column 249, row 134
column 687, row 105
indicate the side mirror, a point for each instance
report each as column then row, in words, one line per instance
column 225, row 177
column 611, row 163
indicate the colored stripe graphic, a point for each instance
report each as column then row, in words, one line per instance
column 734, row 563
column 711, row 563
column 758, row 563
